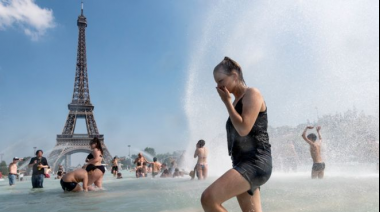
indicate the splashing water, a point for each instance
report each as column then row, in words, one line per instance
column 300, row 54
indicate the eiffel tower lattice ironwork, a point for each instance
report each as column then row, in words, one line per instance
column 69, row 143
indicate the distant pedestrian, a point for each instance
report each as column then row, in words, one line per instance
column 13, row 171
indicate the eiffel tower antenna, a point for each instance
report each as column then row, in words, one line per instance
column 82, row 8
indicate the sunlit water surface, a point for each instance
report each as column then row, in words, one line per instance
column 284, row 192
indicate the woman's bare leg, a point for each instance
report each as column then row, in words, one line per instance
column 250, row 203
column 205, row 172
column 94, row 177
column 230, row 185
column 99, row 183
column 200, row 172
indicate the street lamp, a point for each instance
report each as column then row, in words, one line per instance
column 35, row 149
column 130, row 159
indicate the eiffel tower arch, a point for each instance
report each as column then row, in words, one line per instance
column 69, row 143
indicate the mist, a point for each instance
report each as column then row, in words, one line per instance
column 308, row 58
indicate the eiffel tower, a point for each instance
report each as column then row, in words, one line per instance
column 69, row 143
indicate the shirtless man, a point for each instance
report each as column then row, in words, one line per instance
column 115, row 166
column 156, row 167
column 13, row 170
column 202, row 167
column 70, row 182
column 315, row 150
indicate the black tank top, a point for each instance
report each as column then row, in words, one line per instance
column 257, row 138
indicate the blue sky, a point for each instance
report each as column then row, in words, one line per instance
column 150, row 61
column 136, row 53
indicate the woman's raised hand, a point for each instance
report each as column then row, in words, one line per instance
column 224, row 94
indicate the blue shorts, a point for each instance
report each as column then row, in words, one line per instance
column 12, row 179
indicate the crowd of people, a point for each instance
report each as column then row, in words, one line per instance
column 144, row 168
column 92, row 173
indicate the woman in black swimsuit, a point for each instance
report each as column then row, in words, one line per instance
column 94, row 161
column 248, row 143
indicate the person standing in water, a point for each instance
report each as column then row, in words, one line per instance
column 248, row 143
column 156, row 167
column 39, row 164
column 319, row 166
column 201, row 153
column 94, row 160
column 13, row 170
column 139, row 161
column 60, row 172
column 115, row 166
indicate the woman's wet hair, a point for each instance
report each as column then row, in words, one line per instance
column 228, row 66
column 201, row 143
column 98, row 144
column 313, row 137
column 155, row 159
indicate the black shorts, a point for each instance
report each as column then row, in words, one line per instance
column 256, row 169
column 318, row 167
column 115, row 169
column 68, row 186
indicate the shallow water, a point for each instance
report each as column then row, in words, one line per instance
column 285, row 193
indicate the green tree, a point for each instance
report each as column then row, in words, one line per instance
column 4, row 168
column 150, row 151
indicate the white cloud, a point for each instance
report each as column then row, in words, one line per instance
column 32, row 19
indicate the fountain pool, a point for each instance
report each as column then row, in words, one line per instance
column 285, row 193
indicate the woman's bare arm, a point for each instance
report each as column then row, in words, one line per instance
column 252, row 104
column 97, row 159
column 85, row 182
